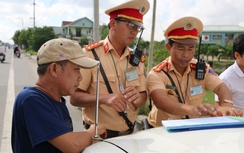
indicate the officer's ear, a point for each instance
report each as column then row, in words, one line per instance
column 168, row 47
column 112, row 24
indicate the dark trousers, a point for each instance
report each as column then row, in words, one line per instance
column 110, row 133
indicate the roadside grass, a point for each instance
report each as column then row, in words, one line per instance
column 31, row 52
column 209, row 97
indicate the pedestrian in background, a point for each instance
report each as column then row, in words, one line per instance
column 233, row 76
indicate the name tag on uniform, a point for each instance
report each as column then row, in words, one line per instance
column 196, row 90
column 131, row 75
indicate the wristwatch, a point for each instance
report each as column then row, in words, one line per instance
column 228, row 101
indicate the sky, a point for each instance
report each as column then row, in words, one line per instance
column 18, row 14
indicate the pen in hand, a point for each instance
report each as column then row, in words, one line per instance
column 122, row 90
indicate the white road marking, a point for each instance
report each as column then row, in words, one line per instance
column 7, row 125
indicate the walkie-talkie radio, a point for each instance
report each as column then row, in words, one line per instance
column 200, row 67
column 136, row 54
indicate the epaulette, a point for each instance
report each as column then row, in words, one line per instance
column 161, row 65
column 194, row 65
column 93, row 45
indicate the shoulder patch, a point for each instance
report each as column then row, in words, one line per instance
column 194, row 65
column 143, row 58
column 211, row 71
column 93, row 45
column 160, row 66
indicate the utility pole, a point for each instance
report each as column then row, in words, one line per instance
column 34, row 14
column 150, row 53
column 96, row 35
column 21, row 22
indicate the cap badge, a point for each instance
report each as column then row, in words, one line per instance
column 142, row 9
column 188, row 26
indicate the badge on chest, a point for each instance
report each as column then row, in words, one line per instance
column 196, row 90
column 131, row 74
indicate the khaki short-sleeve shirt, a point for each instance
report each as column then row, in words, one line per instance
column 111, row 61
column 191, row 88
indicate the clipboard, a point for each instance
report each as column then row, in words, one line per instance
column 203, row 123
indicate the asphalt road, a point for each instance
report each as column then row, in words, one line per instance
column 15, row 73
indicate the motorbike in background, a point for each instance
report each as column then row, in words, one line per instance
column 2, row 57
column 17, row 53
column 2, row 54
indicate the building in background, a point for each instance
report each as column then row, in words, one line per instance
column 220, row 34
column 75, row 30
column 58, row 31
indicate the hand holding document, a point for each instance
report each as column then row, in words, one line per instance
column 203, row 123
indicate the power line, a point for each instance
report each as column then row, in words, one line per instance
column 66, row 8
column 34, row 14
column 45, row 10
column 57, row 10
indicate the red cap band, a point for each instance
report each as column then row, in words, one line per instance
column 129, row 13
column 181, row 33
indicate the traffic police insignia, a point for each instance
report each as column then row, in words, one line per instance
column 188, row 26
column 142, row 9
column 105, row 47
column 143, row 58
column 161, row 65
column 194, row 65
column 93, row 45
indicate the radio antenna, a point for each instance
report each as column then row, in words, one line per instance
column 199, row 47
column 139, row 38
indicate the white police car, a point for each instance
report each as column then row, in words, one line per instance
column 159, row 140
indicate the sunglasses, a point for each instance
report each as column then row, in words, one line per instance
column 131, row 25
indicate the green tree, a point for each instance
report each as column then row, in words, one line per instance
column 160, row 55
column 213, row 50
column 204, row 50
column 226, row 52
column 104, row 31
column 142, row 44
column 84, row 41
column 160, row 52
column 159, row 44
column 229, row 50
column 16, row 37
column 40, row 36
column 24, row 37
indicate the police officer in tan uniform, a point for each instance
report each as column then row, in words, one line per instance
column 172, row 84
column 118, row 107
